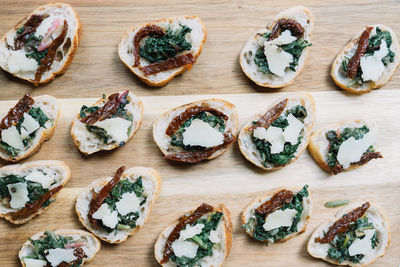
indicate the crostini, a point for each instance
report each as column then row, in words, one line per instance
column 356, row 236
column 42, row 45
column 27, row 126
column 276, row 138
column 116, row 207
column 158, row 51
column 202, row 237
column 278, row 215
column 26, row 190
column 368, row 61
column 64, row 247
column 108, row 124
column 344, row 146
column 196, row 131
column 274, row 56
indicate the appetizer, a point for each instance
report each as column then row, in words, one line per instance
column 64, row 247
column 26, row 126
column 357, row 236
column 202, row 237
column 277, row 137
column 26, row 190
column 42, row 45
column 368, row 61
column 108, row 124
column 158, row 51
column 274, row 56
column 278, row 215
column 196, row 131
column 115, row 207
column 344, row 146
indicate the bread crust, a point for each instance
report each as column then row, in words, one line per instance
column 110, row 147
column 228, row 229
column 265, row 196
column 182, row 69
column 306, row 50
column 315, row 149
column 64, row 232
column 103, row 181
column 29, row 165
column 229, row 106
column 370, row 84
column 336, row 217
column 247, row 154
column 72, row 50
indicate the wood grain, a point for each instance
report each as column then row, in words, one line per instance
column 97, row 68
column 228, row 179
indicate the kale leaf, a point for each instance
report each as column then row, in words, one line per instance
column 100, row 132
column 85, row 110
column 376, row 40
column 39, row 115
column 261, row 61
column 295, row 48
column 161, row 48
column 49, row 241
column 9, row 149
column 38, row 56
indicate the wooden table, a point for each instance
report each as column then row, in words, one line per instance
column 229, row 179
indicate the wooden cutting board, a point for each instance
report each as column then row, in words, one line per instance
column 228, row 179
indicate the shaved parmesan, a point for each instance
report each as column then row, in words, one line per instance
column 362, row 246
column 292, row 131
column 200, row 133
column 117, row 128
column 18, row 62
column 351, row 150
column 108, row 217
column 273, row 135
column 11, row 137
column 39, row 177
column 285, row 38
column 278, row 60
column 56, row 256
column 191, row 231
column 372, row 66
column 19, row 195
column 184, row 248
column 128, row 203
column 35, row 263
column 28, row 126
column 214, row 237
column 279, row 218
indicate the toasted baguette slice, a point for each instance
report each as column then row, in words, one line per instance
column 343, row 81
column 319, row 144
column 249, row 213
column 57, row 170
column 220, row 252
column 298, row 13
column 89, row 143
column 89, row 244
column 375, row 216
column 248, row 147
column 164, row 141
column 196, row 37
column 151, row 181
column 63, row 55
column 51, row 108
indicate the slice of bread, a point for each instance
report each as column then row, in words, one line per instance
column 91, row 244
column 89, row 143
column 343, row 81
column 220, row 253
column 51, row 108
column 380, row 222
column 319, row 144
column 298, row 13
column 64, row 53
column 163, row 140
column 196, row 37
column 247, row 146
column 58, row 170
column 151, row 181
column 249, row 212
